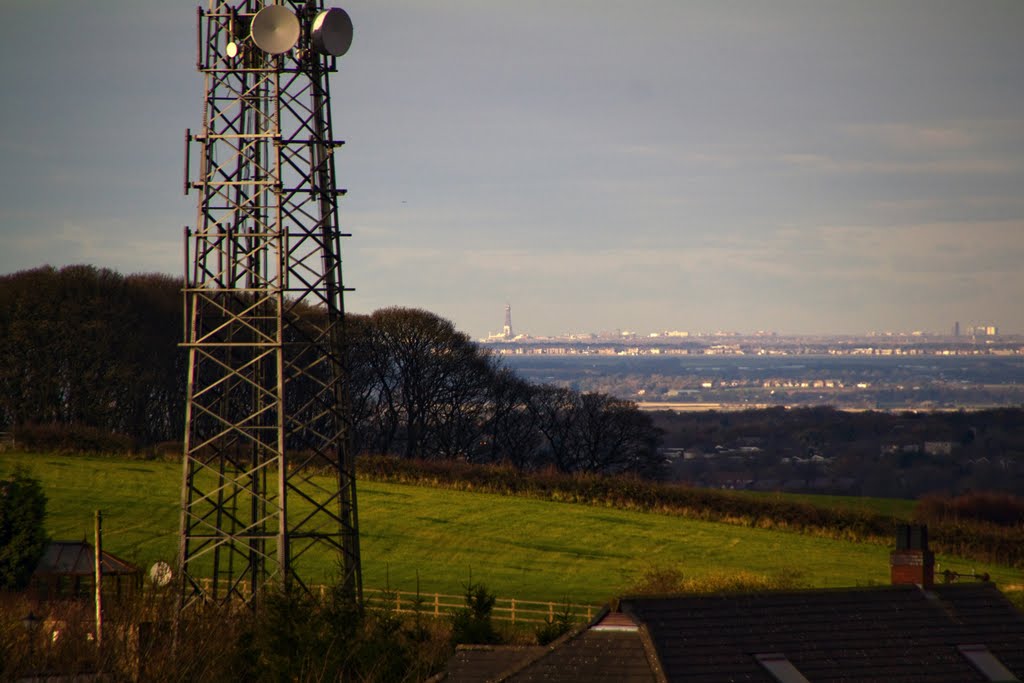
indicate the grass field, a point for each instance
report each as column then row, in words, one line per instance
column 523, row 548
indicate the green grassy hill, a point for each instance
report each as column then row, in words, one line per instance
column 519, row 547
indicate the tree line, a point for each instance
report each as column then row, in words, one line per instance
column 84, row 348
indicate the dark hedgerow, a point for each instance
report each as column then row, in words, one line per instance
column 1001, row 509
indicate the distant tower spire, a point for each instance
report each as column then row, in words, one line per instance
column 506, row 331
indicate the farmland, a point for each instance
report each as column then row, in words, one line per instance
column 520, row 547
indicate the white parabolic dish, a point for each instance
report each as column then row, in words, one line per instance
column 332, row 32
column 160, row 573
column 275, row 29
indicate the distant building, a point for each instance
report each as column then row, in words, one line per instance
column 938, row 447
column 984, row 331
column 506, row 331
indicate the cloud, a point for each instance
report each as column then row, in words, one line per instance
column 830, row 164
column 915, row 137
column 115, row 244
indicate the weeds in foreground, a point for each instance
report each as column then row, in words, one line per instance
column 287, row 637
column 667, row 580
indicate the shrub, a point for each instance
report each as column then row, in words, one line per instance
column 659, row 580
column 473, row 624
column 556, row 626
column 22, row 534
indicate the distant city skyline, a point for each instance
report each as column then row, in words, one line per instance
column 508, row 333
column 798, row 166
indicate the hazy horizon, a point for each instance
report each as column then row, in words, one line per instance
column 799, row 167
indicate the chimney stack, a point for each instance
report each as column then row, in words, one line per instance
column 912, row 562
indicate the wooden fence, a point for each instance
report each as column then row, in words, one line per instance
column 513, row 610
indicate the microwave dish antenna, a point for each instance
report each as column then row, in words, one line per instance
column 275, row 29
column 160, row 573
column 332, row 32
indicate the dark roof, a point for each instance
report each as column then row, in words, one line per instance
column 892, row 633
column 592, row 655
column 76, row 558
column 998, row 624
column 475, row 663
column 613, row 649
column 888, row 633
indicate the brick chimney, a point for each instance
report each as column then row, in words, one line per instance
column 912, row 562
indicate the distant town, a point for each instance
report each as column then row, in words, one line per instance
column 969, row 340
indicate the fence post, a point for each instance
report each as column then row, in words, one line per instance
column 551, row 611
column 513, row 610
column 589, row 617
column 437, row 604
column 398, row 601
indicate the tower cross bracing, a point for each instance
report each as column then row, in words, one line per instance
column 268, row 492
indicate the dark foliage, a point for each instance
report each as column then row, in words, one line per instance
column 1000, row 509
column 89, row 361
column 472, row 624
column 22, row 531
column 74, row 438
column 870, row 453
column 286, row 637
column 556, row 626
column 89, row 347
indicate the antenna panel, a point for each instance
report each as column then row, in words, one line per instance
column 332, row 32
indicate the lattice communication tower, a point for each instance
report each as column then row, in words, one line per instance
column 268, row 487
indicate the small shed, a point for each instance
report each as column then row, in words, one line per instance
column 67, row 571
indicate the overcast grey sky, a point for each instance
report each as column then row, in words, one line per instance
column 805, row 167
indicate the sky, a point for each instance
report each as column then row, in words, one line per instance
column 806, row 167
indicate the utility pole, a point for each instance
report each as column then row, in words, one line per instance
column 98, row 576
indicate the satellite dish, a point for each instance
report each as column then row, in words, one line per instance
column 231, row 49
column 275, row 29
column 332, row 32
column 160, row 573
